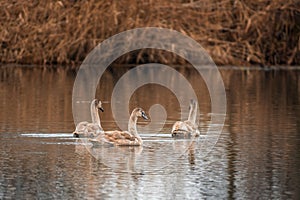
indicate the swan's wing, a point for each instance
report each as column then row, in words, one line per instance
column 180, row 126
column 193, row 128
column 93, row 127
column 127, row 135
column 120, row 138
column 190, row 126
column 116, row 135
column 185, row 129
column 80, row 129
column 85, row 129
column 80, row 126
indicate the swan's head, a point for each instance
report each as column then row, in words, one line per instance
column 140, row 113
column 98, row 104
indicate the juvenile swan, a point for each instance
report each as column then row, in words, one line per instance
column 86, row 129
column 189, row 127
column 124, row 138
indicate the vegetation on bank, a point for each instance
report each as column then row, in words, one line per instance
column 234, row 32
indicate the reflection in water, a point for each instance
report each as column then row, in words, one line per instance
column 256, row 156
column 36, row 99
column 119, row 158
column 264, row 122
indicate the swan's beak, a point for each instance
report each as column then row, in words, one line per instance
column 101, row 109
column 144, row 116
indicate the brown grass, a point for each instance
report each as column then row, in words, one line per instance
column 234, row 32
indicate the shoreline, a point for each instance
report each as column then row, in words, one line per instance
column 223, row 67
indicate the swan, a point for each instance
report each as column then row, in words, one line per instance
column 86, row 129
column 189, row 127
column 124, row 138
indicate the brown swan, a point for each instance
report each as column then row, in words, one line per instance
column 189, row 127
column 124, row 138
column 86, row 129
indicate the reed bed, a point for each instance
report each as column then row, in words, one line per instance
column 234, row 32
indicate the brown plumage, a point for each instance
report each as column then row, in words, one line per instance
column 87, row 129
column 124, row 138
column 189, row 127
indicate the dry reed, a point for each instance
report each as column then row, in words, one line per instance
column 234, row 32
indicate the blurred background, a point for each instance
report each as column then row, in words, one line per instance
column 234, row 32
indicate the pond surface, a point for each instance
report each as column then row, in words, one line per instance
column 256, row 156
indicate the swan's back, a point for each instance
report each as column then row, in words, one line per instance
column 122, row 138
column 85, row 129
column 189, row 127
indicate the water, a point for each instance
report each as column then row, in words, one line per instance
column 256, row 156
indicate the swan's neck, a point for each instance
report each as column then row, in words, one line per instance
column 95, row 115
column 193, row 113
column 132, row 125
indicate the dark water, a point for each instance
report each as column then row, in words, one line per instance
column 256, row 156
